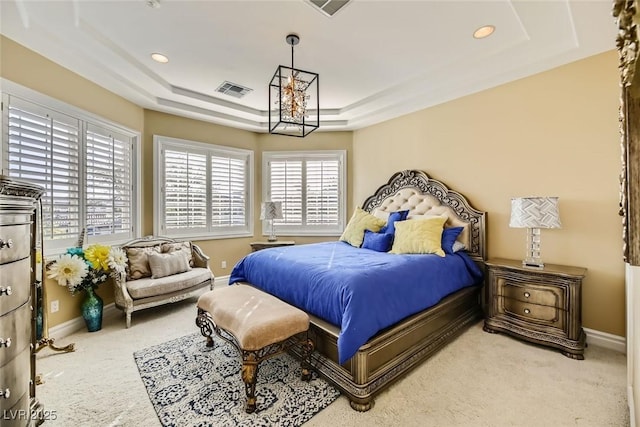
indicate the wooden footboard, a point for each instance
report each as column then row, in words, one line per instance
column 394, row 351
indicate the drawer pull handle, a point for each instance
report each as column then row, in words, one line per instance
column 7, row 291
column 527, row 294
column 8, row 244
column 5, row 343
column 527, row 311
column 6, row 393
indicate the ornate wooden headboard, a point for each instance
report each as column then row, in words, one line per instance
column 420, row 184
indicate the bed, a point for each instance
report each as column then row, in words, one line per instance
column 374, row 344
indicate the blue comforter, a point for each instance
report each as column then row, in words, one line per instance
column 359, row 290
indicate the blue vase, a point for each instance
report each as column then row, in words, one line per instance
column 92, row 310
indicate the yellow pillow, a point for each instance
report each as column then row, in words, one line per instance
column 419, row 236
column 360, row 221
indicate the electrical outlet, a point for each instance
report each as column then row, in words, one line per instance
column 223, row 264
column 55, row 306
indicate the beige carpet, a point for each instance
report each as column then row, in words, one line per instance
column 480, row 379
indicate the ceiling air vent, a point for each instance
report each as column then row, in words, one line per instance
column 329, row 7
column 233, row 89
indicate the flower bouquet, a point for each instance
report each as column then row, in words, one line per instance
column 84, row 270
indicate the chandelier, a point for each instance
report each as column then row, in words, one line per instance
column 294, row 104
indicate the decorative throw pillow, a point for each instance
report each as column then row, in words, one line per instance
column 360, row 221
column 419, row 236
column 139, row 262
column 179, row 246
column 449, row 236
column 168, row 263
column 380, row 242
column 393, row 217
column 457, row 246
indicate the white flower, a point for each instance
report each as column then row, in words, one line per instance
column 68, row 270
column 117, row 260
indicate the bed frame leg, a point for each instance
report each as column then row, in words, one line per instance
column 361, row 406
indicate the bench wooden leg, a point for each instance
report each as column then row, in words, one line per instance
column 305, row 362
column 249, row 376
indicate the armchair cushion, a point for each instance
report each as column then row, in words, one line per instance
column 139, row 261
column 168, row 263
column 179, row 246
column 150, row 287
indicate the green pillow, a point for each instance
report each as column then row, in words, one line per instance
column 361, row 220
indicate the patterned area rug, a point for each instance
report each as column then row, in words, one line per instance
column 190, row 384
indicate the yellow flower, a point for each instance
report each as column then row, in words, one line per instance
column 98, row 256
column 38, row 257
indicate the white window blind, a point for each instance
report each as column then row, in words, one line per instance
column 85, row 168
column 228, row 192
column 310, row 185
column 43, row 147
column 108, row 183
column 185, row 190
column 202, row 190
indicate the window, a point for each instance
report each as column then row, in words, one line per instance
column 310, row 185
column 85, row 164
column 202, row 190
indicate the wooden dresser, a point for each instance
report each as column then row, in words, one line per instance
column 540, row 306
column 18, row 403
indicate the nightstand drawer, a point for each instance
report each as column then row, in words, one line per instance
column 532, row 313
column 531, row 293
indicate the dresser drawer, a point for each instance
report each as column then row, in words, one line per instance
column 532, row 293
column 17, row 276
column 15, row 329
column 15, row 378
column 536, row 316
column 18, row 239
column 19, row 414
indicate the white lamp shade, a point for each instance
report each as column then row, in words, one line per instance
column 535, row 212
column 271, row 210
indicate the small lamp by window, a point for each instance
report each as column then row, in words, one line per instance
column 271, row 211
column 534, row 213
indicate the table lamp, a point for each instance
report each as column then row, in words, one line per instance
column 534, row 213
column 271, row 211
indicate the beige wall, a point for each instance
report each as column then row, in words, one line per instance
column 555, row 134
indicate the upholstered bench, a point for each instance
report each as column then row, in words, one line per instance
column 259, row 325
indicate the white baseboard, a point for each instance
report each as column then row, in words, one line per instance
column 606, row 340
column 631, row 404
column 110, row 311
column 70, row 326
column 221, row 281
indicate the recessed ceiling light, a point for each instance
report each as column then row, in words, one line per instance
column 158, row 57
column 484, row 31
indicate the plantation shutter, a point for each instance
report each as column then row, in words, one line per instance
column 108, row 181
column 228, row 192
column 286, row 186
column 323, row 189
column 44, row 148
column 185, row 190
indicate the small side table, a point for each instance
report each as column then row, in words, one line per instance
column 256, row 246
column 540, row 306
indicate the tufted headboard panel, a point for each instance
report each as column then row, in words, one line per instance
column 413, row 190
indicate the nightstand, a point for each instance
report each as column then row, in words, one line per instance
column 540, row 306
column 256, row 246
